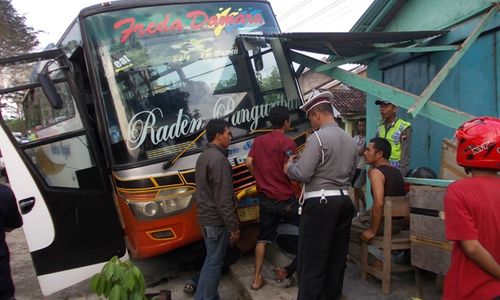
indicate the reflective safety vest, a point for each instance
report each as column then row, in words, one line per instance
column 393, row 136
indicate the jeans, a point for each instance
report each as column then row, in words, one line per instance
column 216, row 241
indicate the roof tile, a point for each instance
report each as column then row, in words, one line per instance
column 349, row 102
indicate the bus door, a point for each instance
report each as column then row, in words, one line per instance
column 58, row 176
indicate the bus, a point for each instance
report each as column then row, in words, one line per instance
column 102, row 142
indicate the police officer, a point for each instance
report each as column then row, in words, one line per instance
column 398, row 132
column 326, row 167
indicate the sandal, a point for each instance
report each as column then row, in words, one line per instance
column 189, row 288
column 281, row 274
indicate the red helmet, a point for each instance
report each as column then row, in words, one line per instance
column 479, row 143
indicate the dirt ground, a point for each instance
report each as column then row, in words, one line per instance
column 23, row 273
column 170, row 271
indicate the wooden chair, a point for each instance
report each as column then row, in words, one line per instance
column 393, row 207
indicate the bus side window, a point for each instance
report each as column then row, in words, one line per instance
column 60, row 163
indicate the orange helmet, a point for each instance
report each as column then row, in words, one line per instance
column 479, row 143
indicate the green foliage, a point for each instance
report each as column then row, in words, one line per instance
column 271, row 81
column 119, row 280
column 227, row 83
column 16, row 37
column 16, row 125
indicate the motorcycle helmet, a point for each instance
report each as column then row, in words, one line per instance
column 479, row 143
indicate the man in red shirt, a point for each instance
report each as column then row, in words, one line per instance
column 268, row 155
column 472, row 207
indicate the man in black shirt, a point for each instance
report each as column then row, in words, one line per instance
column 385, row 181
column 10, row 218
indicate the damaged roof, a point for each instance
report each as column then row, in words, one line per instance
column 346, row 44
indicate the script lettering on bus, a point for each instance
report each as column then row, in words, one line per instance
column 143, row 125
column 197, row 20
column 225, row 106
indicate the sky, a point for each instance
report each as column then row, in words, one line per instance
column 52, row 17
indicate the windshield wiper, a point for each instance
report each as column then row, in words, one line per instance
column 171, row 162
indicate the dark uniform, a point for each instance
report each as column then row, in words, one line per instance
column 326, row 167
column 10, row 218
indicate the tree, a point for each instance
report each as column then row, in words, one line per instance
column 17, row 37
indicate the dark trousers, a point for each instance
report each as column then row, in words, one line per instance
column 323, row 242
column 6, row 285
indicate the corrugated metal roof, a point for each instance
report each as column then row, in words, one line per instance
column 346, row 44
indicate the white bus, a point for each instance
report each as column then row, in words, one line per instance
column 102, row 148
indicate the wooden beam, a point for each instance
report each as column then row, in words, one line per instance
column 416, row 107
column 457, row 33
column 434, row 111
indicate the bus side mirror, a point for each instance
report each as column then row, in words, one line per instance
column 258, row 61
column 50, row 91
column 255, row 44
column 258, row 64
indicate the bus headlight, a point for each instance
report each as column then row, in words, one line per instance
column 165, row 202
column 150, row 209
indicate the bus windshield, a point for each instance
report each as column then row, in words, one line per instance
column 164, row 71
